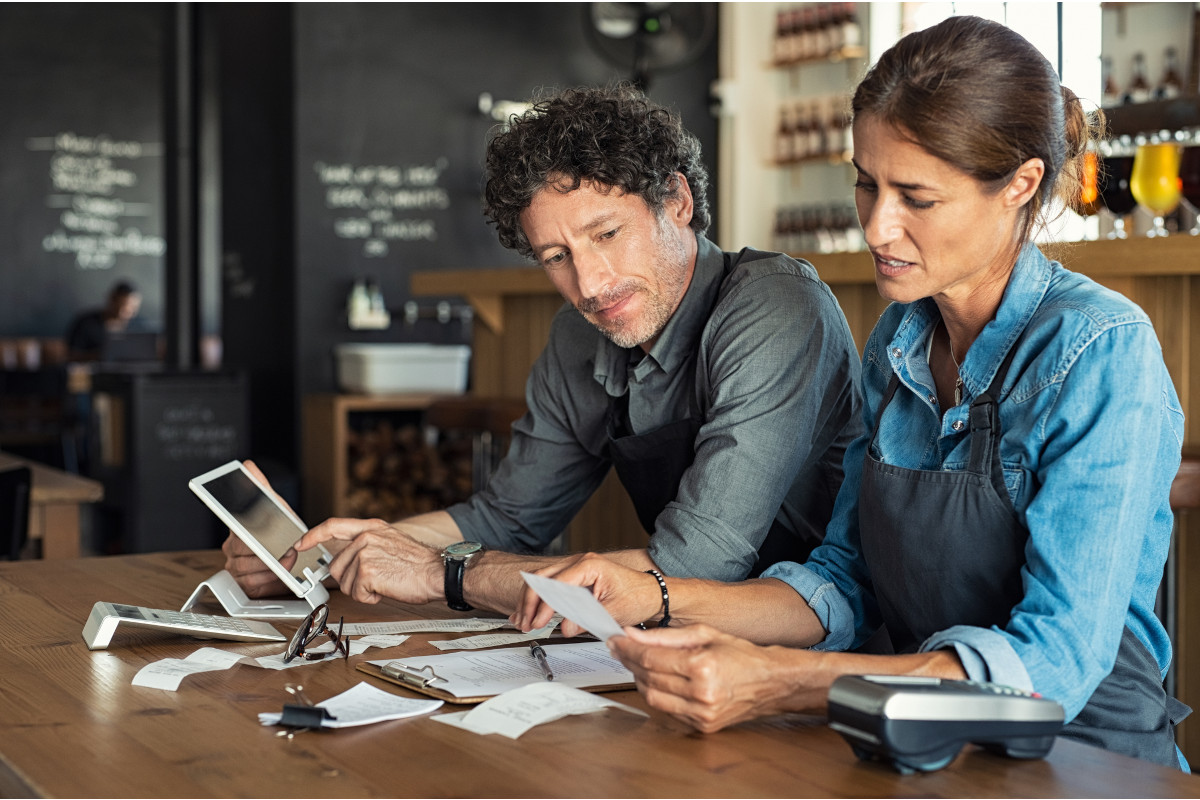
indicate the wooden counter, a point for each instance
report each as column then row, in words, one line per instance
column 75, row 726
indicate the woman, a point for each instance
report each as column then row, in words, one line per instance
column 1006, row 519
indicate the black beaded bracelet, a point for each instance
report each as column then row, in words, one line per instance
column 662, row 584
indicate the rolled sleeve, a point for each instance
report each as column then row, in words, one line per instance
column 985, row 655
column 824, row 599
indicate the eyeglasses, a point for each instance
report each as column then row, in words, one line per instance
column 312, row 627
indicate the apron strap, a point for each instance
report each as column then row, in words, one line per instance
column 984, row 424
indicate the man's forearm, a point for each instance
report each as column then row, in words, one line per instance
column 493, row 579
column 436, row 528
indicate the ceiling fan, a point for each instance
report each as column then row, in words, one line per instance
column 647, row 38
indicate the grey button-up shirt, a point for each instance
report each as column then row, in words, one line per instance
column 763, row 350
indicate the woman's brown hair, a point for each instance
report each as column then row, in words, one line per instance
column 979, row 96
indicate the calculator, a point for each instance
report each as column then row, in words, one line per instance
column 920, row 724
column 105, row 618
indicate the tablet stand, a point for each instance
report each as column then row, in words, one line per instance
column 226, row 590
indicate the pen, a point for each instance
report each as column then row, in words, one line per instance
column 540, row 655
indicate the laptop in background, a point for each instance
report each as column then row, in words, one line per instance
column 126, row 347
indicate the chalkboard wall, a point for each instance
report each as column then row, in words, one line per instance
column 80, row 160
column 351, row 143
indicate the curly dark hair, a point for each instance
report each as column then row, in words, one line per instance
column 614, row 136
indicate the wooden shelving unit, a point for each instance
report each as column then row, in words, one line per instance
column 325, row 448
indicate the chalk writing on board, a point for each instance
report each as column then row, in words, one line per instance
column 381, row 204
column 194, row 432
column 93, row 180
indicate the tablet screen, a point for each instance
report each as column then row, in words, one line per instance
column 265, row 520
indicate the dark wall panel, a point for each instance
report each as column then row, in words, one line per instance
column 80, row 160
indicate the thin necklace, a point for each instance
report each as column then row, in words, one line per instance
column 957, row 366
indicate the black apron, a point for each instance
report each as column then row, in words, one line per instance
column 946, row 548
column 651, row 466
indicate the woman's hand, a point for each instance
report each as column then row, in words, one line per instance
column 629, row 595
column 712, row 680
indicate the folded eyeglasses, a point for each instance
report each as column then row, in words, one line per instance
column 313, row 626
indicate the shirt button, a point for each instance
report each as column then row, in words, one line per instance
column 957, row 425
column 897, row 352
column 933, row 399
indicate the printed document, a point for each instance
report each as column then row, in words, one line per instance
column 492, row 672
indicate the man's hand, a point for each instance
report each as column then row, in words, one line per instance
column 712, row 680
column 629, row 595
column 376, row 560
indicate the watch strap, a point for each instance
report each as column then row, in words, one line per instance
column 454, row 584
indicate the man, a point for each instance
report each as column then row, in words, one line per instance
column 89, row 331
column 721, row 386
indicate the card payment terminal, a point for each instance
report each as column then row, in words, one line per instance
column 920, row 724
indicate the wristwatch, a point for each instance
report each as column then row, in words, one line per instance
column 455, row 557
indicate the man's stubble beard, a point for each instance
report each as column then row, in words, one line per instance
column 672, row 272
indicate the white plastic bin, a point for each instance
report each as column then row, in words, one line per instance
column 402, row 368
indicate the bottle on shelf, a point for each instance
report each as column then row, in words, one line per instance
column 837, row 31
column 1139, row 88
column 836, row 137
column 358, row 304
column 822, row 44
column 800, row 128
column 851, row 35
column 807, row 45
column 783, row 36
column 1112, row 92
column 818, row 229
column 784, row 146
column 779, row 233
column 817, row 131
column 847, row 136
column 1171, row 85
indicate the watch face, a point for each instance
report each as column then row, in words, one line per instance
column 461, row 549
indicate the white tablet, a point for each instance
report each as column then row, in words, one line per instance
column 257, row 518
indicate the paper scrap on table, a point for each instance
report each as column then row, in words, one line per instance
column 382, row 640
column 363, row 705
column 496, row 639
column 168, row 673
column 516, row 711
column 575, row 603
column 425, row 626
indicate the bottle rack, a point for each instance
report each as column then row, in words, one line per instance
column 813, row 207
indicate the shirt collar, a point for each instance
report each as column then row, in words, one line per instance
column 680, row 338
column 1027, row 285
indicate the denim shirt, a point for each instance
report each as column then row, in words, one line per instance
column 762, row 353
column 1091, row 437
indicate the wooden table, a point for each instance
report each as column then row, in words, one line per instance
column 74, row 726
column 54, row 499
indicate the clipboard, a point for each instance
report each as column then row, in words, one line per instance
column 425, row 681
